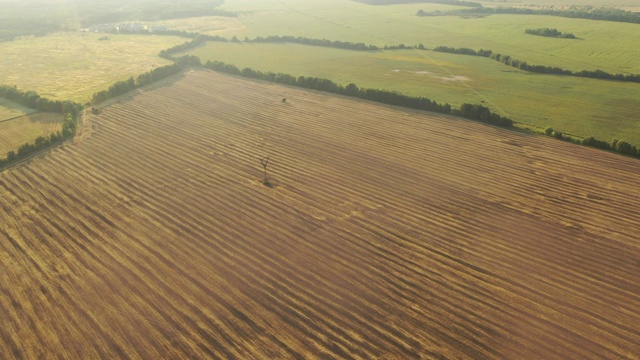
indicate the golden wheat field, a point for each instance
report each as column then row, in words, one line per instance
column 385, row 234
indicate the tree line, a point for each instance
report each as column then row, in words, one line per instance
column 547, row 32
column 313, row 42
column 404, row 47
column 444, row 2
column 587, row 12
column 618, row 146
column 31, row 99
column 540, row 69
column 123, row 87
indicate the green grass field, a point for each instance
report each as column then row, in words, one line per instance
column 579, row 106
column 25, row 129
column 583, row 107
column 603, row 45
column 9, row 110
column 74, row 65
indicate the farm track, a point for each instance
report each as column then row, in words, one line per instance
column 388, row 234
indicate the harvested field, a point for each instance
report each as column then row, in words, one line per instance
column 386, row 233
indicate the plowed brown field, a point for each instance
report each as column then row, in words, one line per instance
column 387, row 234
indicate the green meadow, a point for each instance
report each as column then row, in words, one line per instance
column 609, row 46
column 578, row 106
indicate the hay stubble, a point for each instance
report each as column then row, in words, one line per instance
column 386, row 233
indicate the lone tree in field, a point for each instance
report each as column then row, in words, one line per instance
column 265, row 163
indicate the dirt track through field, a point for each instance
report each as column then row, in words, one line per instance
column 387, row 234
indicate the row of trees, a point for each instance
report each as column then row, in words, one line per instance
column 123, row 87
column 618, row 146
column 483, row 114
column 445, row 2
column 32, row 100
column 463, row 51
column 548, row 32
column 540, row 69
column 475, row 112
column 586, row 12
column 404, row 47
column 314, row 42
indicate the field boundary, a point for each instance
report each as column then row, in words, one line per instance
column 13, row 118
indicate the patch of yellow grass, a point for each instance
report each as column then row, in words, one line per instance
column 26, row 129
column 74, row 65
